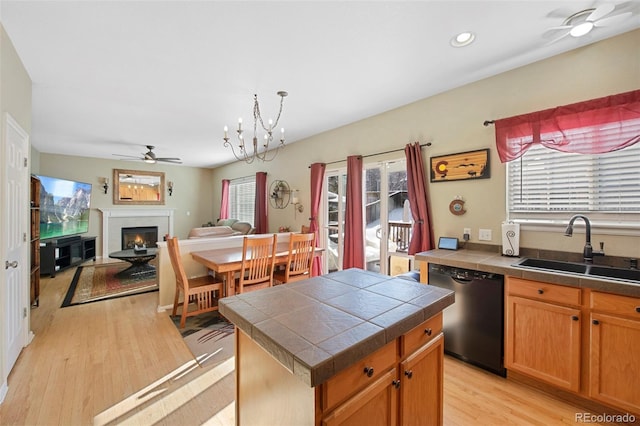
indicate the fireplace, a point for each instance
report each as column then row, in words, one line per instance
column 146, row 236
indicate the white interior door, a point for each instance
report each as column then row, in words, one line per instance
column 15, row 212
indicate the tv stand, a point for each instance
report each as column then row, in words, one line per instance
column 58, row 254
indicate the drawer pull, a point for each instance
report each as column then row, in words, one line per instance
column 396, row 384
column 574, row 317
column 428, row 331
column 638, row 309
column 540, row 291
column 408, row 373
column 595, row 322
column 368, row 371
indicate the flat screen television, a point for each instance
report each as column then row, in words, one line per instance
column 64, row 207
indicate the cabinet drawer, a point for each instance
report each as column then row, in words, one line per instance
column 615, row 304
column 358, row 376
column 420, row 335
column 544, row 291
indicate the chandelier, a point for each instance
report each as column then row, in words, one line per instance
column 242, row 153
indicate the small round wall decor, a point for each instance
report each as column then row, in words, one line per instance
column 457, row 207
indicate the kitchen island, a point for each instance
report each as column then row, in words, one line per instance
column 344, row 348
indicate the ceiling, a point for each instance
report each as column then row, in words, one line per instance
column 110, row 77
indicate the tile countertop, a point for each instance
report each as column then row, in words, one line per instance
column 320, row 326
column 493, row 262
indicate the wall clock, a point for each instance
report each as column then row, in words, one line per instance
column 457, row 207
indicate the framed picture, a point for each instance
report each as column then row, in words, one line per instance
column 460, row 166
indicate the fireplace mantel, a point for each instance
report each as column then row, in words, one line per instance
column 114, row 219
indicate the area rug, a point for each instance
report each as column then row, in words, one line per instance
column 100, row 282
column 208, row 336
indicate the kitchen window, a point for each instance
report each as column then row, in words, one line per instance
column 546, row 187
column 242, row 198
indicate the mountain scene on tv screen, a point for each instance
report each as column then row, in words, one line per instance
column 64, row 215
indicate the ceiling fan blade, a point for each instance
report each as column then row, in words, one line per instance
column 612, row 20
column 127, row 156
column 557, row 39
column 170, row 160
column 554, row 31
column 600, row 12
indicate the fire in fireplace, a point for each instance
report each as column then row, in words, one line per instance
column 146, row 236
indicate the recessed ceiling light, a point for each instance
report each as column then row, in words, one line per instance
column 463, row 39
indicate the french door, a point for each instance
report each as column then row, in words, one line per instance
column 386, row 212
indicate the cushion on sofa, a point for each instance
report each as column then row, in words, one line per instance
column 212, row 231
column 226, row 222
column 243, row 227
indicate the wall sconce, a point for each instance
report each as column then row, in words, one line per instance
column 170, row 188
column 295, row 201
column 105, row 184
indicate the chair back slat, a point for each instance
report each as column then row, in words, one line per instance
column 174, row 254
column 258, row 260
column 301, row 253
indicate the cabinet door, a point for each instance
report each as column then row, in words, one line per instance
column 615, row 361
column 374, row 405
column 421, row 385
column 543, row 341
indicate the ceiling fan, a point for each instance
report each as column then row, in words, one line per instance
column 150, row 157
column 582, row 22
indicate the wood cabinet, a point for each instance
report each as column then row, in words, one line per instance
column 560, row 335
column 543, row 332
column 408, row 390
column 34, row 235
column 421, row 385
column 400, row 383
column 614, row 351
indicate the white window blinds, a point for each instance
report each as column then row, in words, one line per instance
column 545, row 186
column 242, row 196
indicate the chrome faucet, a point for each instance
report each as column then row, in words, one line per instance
column 588, row 252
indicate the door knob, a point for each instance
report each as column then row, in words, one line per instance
column 8, row 264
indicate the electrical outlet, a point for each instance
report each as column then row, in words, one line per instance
column 466, row 234
column 484, row 235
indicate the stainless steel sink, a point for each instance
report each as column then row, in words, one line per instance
column 553, row 265
column 595, row 271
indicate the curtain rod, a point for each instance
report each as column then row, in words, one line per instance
column 487, row 122
column 377, row 153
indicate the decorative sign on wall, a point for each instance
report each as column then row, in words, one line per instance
column 460, row 166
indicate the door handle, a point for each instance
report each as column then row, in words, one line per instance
column 8, row 264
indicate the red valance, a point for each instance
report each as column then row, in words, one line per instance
column 591, row 127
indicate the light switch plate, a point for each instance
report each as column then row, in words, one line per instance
column 484, row 234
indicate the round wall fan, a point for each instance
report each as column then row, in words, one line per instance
column 150, row 157
column 581, row 23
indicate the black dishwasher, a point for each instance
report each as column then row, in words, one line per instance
column 473, row 325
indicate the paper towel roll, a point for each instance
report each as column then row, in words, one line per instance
column 510, row 239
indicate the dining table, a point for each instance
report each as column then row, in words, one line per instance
column 227, row 262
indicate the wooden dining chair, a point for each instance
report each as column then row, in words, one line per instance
column 203, row 291
column 258, row 261
column 300, row 259
column 305, row 229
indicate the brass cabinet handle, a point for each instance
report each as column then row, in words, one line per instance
column 396, row 384
column 540, row 291
column 575, row 317
column 427, row 331
column 408, row 373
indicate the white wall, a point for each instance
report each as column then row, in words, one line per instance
column 453, row 122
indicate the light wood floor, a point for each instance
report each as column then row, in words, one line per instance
column 121, row 362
